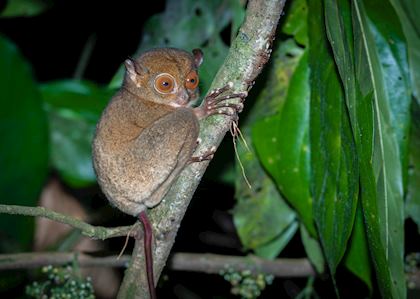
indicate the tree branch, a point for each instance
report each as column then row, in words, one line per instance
column 213, row 264
column 248, row 54
column 192, row 262
column 88, row 230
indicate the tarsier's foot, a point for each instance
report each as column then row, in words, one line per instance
column 215, row 103
column 208, row 155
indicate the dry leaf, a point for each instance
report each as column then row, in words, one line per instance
column 47, row 233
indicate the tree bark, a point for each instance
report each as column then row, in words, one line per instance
column 248, row 54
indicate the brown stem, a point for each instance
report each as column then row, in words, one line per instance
column 213, row 264
column 91, row 231
column 192, row 262
column 32, row 260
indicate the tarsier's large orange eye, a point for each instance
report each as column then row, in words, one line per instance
column 191, row 82
column 164, row 83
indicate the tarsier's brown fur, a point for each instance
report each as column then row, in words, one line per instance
column 141, row 142
column 146, row 136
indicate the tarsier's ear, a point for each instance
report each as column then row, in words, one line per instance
column 198, row 57
column 134, row 69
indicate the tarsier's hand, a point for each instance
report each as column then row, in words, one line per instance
column 218, row 102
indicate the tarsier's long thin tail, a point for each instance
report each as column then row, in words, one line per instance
column 148, row 234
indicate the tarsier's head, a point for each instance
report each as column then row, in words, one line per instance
column 166, row 75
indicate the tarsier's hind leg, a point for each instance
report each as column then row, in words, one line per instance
column 164, row 149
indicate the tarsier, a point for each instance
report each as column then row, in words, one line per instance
column 149, row 132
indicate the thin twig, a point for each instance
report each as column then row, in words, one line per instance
column 34, row 260
column 84, row 57
column 235, row 133
column 91, row 231
column 213, row 264
column 193, row 262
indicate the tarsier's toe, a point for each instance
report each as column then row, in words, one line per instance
column 207, row 155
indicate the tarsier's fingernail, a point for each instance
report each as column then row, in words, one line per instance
column 230, row 84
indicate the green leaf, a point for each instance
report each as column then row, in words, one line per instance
column 261, row 216
column 272, row 249
column 295, row 21
column 272, row 95
column 408, row 11
column 73, row 109
column 360, row 60
column 282, row 141
column 412, row 205
column 24, row 150
column 276, row 220
column 313, row 250
column 25, row 8
column 392, row 52
column 334, row 179
column 380, row 161
column 357, row 258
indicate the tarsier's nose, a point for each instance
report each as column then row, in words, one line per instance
column 182, row 97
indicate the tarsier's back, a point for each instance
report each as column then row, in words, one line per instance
column 145, row 136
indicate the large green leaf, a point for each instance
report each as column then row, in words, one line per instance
column 282, row 145
column 277, row 75
column 24, row 150
column 262, row 216
column 334, row 177
column 380, row 159
column 73, row 109
column 360, row 60
column 265, row 223
column 392, row 53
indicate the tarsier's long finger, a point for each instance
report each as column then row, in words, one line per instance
column 236, row 107
column 218, row 91
column 229, row 112
column 240, row 95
